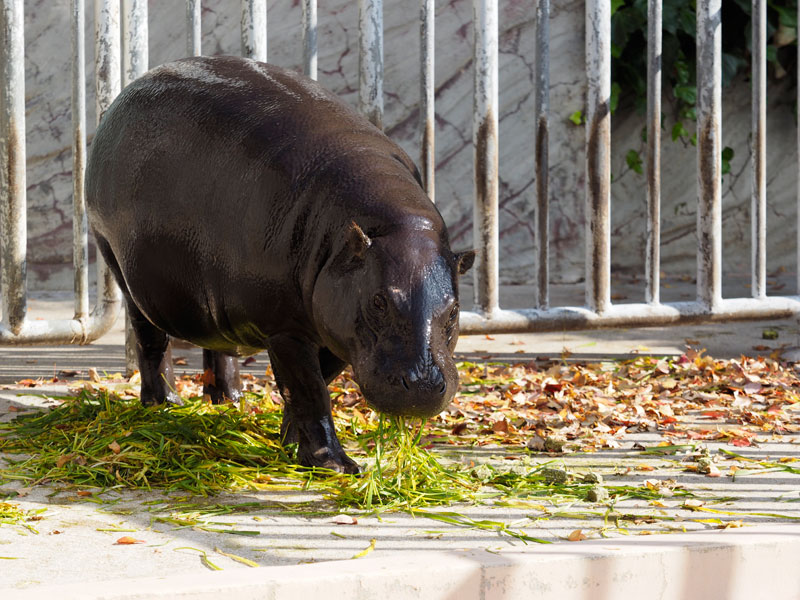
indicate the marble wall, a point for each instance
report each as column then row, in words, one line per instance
column 49, row 131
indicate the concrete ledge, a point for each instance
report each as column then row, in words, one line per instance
column 747, row 563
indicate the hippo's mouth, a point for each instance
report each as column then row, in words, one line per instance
column 407, row 400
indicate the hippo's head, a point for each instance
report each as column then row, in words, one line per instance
column 388, row 304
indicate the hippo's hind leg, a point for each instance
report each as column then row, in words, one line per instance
column 300, row 380
column 221, row 376
column 152, row 344
column 155, row 360
column 330, row 365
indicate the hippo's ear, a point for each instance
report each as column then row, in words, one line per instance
column 357, row 241
column 464, row 261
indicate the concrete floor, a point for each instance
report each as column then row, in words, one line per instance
column 72, row 557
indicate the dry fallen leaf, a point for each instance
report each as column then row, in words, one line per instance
column 344, row 520
column 126, row 540
column 500, row 426
column 576, row 536
column 62, row 460
column 115, row 447
column 208, row 377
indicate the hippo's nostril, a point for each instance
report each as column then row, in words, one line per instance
column 443, row 388
column 405, row 383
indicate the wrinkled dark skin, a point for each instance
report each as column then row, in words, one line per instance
column 242, row 207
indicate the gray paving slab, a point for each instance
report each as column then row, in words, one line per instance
column 744, row 526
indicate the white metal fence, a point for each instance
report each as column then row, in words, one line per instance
column 129, row 37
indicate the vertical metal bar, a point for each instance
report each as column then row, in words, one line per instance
column 427, row 111
column 107, row 87
column 135, row 59
column 135, row 55
column 107, row 55
column 709, row 156
column 758, row 151
column 541, row 110
column 13, row 232
column 484, row 138
column 370, row 58
column 653, row 251
column 598, row 166
column 80, row 226
column 254, row 29
column 310, row 38
column 194, row 30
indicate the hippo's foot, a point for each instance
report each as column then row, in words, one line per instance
column 325, row 457
column 149, row 399
column 221, row 395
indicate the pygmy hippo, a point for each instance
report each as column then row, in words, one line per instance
column 243, row 207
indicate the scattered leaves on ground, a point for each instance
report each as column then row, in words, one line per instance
column 102, row 437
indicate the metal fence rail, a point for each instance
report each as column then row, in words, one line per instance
column 85, row 326
column 599, row 311
column 488, row 316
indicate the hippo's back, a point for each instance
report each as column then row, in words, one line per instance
column 175, row 132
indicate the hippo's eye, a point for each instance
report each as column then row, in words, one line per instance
column 379, row 303
column 453, row 316
column 450, row 328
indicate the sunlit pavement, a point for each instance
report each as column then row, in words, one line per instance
column 746, row 545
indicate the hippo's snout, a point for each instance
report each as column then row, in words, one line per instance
column 426, row 380
column 425, row 388
column 422, row 390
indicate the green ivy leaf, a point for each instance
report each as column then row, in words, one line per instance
column 727, row 157
column 786, row 16
column 687, row 93
column 678, row 131
column 730, row 66
column 615, row 5
column 772, row 54
column 682, row 71
column 727, row 153
column 576, row 117
column 613, row 102
column 687, row 19
column 634, row 161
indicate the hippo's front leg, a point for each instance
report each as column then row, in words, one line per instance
column 296, row 365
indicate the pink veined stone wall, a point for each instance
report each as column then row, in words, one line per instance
column 49, row 132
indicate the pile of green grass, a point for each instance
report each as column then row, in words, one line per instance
column 98, row 440
column 101, row 441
